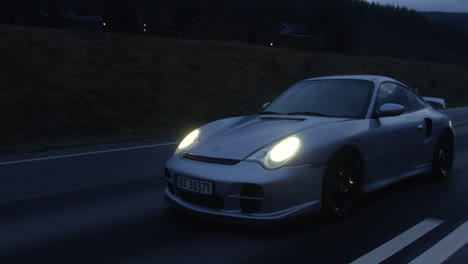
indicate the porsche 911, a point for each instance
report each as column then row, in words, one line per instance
column 318, row 147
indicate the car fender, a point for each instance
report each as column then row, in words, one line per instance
column 320, row 143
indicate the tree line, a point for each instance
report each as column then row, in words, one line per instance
column 353, row 27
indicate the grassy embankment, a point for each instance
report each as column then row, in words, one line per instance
column 65, row 86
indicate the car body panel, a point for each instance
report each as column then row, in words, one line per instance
column 390, row 148
column 236, row 138
column 282, row 188
column 395, row 140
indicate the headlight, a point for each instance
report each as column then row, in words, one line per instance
column 277, row 155
column 189, row 141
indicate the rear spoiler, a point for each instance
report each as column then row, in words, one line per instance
column 437, row 103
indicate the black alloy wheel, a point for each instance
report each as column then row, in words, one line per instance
column 442, row 161
column 342, row 184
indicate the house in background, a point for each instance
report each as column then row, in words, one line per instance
column 295, row 36
column 293, row 31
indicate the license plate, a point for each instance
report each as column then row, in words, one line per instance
column 197, row 186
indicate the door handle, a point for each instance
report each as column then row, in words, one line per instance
column 420, row 128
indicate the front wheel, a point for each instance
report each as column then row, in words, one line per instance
column 442, row 160
column 342, row 184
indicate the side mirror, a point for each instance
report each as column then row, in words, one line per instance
column 391, row 110
column 265, row 105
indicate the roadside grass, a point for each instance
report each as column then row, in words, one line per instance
column 64, row 86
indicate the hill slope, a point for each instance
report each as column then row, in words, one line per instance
column 60, row 86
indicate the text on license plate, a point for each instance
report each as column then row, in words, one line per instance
column 197, row 186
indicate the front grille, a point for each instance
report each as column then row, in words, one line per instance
column 167, row 173
column 252, row 190
column 171, row 187
column 251, row 205
column 211, row 160
column 210, row 201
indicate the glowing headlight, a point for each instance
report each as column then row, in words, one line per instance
column 189, row 140
column 285, row 149
column 277, row 155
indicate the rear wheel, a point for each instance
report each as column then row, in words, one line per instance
column 442, row 160
column 342, row 184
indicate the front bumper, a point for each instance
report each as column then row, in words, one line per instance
column 285, row 193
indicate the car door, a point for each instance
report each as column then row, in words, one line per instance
column 395, row 138
column 416, row 105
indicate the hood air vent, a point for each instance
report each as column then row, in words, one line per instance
column 211, row 160
column 283, row 118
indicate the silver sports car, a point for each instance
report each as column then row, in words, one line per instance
column 317, row 147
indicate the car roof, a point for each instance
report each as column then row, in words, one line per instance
column 372, row 78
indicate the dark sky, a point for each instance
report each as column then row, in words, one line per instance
column 429, row 5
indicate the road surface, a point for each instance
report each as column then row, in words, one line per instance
column 104, row 204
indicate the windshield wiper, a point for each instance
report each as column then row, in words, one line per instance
column 309, row 113
column 270, row 113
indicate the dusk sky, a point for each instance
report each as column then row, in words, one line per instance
column 429, row 5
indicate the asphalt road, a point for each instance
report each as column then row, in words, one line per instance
column 104, row 204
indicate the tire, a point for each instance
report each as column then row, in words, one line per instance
column 341, row 184
column 442, row 160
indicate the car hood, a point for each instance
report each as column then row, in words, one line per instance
column 237, row 138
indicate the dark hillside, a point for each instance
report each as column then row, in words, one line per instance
column 62, row 86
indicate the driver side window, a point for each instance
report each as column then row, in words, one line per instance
column 391, row 93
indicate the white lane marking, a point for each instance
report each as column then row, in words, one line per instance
column 399, row 242
column 445, row 248
column 87, row 153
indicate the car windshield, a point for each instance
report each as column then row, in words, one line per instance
column 333, row 98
